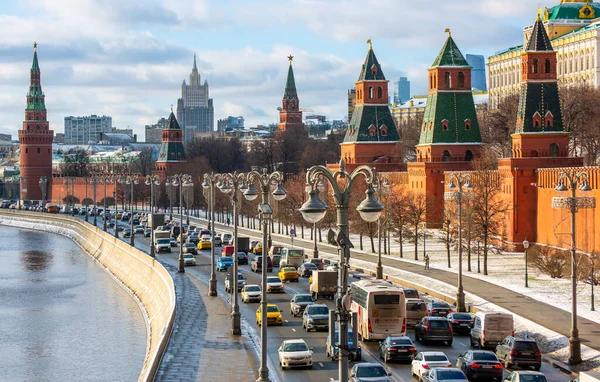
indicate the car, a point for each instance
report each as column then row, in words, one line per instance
column 461, row 322
column 189, row 259
column 147, row 232
column 526, row 376
column 253, row 244
column 139, row 229
column 306, row 269
column 275, row 250
column 162, row 245
column 318, row 262
column 395, row 348
column 173, row 242
column 223, row 263
column 450, row 374
column 242, row 258
column 274, row 284
column 241, row 282
column 332, row 349
column 204, row 242
column 490, row 329
column 120, row 228
column 294, row 353
column 438, row 308
column 276, row 259
column 190, row 248
column 226, row 239
column 257, row 249
column 217, row 241
column 227, row 250
column 333, row 266
column 372, row 372
column 315, row 317
column 251, row 293
column 411, row 293
column 426, row 360
column 193, row 238
column 299, row 302
column 127, row 232
column 273, row 315
column 519, row 352
column 256, row 264
column 434, row 329
column 288, row 274
column 480, row 364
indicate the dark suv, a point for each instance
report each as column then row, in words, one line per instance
column 434, row 329
column 439, row 308
column 520, row 352
column 256, row 264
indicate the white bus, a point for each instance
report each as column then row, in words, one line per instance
column 381, row 309
column 291, row 257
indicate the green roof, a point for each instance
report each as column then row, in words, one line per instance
column 171, row 152
column 365, row 116
column 450, row 55
column 371, row 70
column 290, row 85
column 539, row 41
column 455, row 108
column 35, row 66
column 539, row 98
column 172, row 122
column 571, row 11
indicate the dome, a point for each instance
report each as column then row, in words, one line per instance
column 573, row 10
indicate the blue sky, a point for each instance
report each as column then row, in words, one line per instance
column 127, row 58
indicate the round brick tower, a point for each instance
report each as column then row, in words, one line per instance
column 35, row 140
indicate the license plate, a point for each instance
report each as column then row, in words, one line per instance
column 525, row 353
column 488, row 366
column 401, row 350
column 464, row 324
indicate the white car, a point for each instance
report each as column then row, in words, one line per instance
column 189, row 259
column 251, row 293
column 274, row 284
column 139, row 229
column 426, row 360
column 295, row 353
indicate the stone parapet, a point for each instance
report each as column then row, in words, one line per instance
column 142, row 276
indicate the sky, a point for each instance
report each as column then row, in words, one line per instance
column 128, row 58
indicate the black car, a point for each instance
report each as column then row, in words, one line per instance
column 243, row 258
column 441, row 374
column 190, row 248
column 439, row 308
column 434, row 329
column 299, row 302
column 480, row 364
column 397, row 349
column 306, row 269
column 519, row 352
column 461, row 322
column 411, row 293
column 256, row 264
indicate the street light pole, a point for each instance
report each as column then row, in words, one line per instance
column 210, row 181
column 105, row 180
column 131, row 180
column 526, row 246
column 314, row 210
column 43, row 187
column 266, row 212
column 573, row 204
column 381, row 183
column 152, row 180
column 116, row 180
column 180, row 180
column 458, row 181
column 592, row 260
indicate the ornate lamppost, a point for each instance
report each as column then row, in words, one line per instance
column 152, row 180
column 457, row 182
column 210, row 181
column 592, row 279
column 230, row 185
column 44, row 188
column 383, row 184
column 105, row 179
column 131, row 180
column 116, row 181
column 265, row 180
column 571, row 180
column 314, row 210
column 181, row 181
column 526, row 246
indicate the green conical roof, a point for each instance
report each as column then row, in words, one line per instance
column 172, row 122
column 290, row 85
column 450, row 55
column 35, row 67
column 371, row 70
column 539, row 41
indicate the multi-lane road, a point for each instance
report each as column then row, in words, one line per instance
column 323, row 368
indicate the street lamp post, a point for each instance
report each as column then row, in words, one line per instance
column 170, row 193
column 87, row 220
column 382, row 183
column 573, row 204
column 116, row 180
column 526, row 246
column 457, row 182
column 210, row 181
column 105, row 179
column 230, row 184
column 181, row 181
column 314, row 210
column 593, row 280
column 131, row 180
column 266, row 213
column 94, row 182
column 44, row 188
column 152, row 180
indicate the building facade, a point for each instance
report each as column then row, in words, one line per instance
column 478, row 77
column 401, row 91
column 35, row 139
column 351, row 102
column 5, row 137
column 195, row 110
column 573, row 29
column 83, row 130
column 153, row 133
column 230, row 123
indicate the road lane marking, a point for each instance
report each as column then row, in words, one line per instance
column 293, row 329
column 321, row 364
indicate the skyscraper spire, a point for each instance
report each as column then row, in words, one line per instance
column 194, row 75
column 195, row 67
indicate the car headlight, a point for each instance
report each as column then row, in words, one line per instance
column 310, row 321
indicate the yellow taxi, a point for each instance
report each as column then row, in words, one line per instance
column 258, row 249
column 288, row 274
column 204, row 243
column 273, row 315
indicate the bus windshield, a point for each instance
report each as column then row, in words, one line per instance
column 295, row 253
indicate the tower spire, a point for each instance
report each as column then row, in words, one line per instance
column 290, row 83
column 35, row 66
column 195, row 67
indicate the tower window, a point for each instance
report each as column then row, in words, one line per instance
column 384, row 130
column 26, row 149
column 447, row 80
column 38, row 150
column 535, row 65
column 468, row 156
column 370, row 92
column 379, row 92
column 372, row 131
column 446, row 156
column 445, row 125
column 548, row 64
column 461, row 80
column 467, row 124
column 553, row 150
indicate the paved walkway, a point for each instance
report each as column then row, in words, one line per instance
column 201, row 347
column 543, row 314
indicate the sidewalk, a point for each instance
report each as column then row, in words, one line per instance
column 546, row 315
column 201, row 347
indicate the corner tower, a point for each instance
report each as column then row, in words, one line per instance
column 372, row 137
column 290, row 115
column 171, row 157
column 35, row 140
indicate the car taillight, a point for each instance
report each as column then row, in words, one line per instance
column 412, row 349
column 455, row 321
column 425, row 366
column 450, row 311
column 449, row 365
column 370, row 327
column 450, row 327
column 433, row 310
column 404, row 326
column 538, row 353
column 392, row 349
column 427, row 328
column 483, row 335
column 470, row 322
column 475, row 366
column 498, row 366
column 512, row 352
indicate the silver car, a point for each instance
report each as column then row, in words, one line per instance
column 315, row 317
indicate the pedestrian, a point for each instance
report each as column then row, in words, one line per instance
column 228, row 221
column 426, row 261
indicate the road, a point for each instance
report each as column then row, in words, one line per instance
column 323, row 369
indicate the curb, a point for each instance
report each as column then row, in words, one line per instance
column 560, row 366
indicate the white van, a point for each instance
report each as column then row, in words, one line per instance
column 491, row 328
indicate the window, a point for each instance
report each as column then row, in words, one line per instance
column 553, row 150
column 384, row 130
column 26, row 149
column 461, row 80
column 372, row 131
column 445, row 125
column 535, row 65
column 38, row 150
column 430, row 82
column 536, row 123
column 379, row 92
column 447, row 79
column 446, row 156
column 467, row 124
column 468, row 156
column 370, row 92
column 547, row 68
column 534, row 154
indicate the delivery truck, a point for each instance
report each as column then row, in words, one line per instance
column 324, row 284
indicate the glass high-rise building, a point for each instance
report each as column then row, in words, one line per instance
column 401, row 90
column 478, row 78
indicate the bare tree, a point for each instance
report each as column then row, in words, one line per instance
column 416, row 216
column 144, row 163
column 497, row 125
